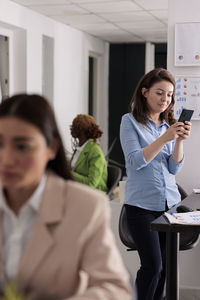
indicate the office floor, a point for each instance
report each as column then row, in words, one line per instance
column 189, row 294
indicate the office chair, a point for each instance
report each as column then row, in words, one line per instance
column 188, row 240
column 124, row 233
column 114, row 176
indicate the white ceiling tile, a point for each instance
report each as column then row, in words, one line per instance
column 152, row 35
column 142, row 24
column 155, row 37
column 96, row 27
column 118, row 33
column 123, row 39
column 91, row 1
column 160, row 14
column 148, row 30
column 41, row 2
column 117, row 6
column 111, row 20
column 128, row 16
column 55, row 10
column 79, row 19
column 153, row 4
column 100, row 33
column 106, row 32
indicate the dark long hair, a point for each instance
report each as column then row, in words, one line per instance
column 138, row 106
column 36, row 110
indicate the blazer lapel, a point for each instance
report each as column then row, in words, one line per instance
column 72, row 156
column 39, row 245
column 82, row 155
column 41, row 240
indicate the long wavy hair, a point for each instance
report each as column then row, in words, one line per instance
column 36, row 110
column 138, row 105
column 85, row 124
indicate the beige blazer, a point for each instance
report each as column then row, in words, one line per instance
column 71, row 253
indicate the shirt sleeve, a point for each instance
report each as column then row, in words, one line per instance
column 132, row 149
column 174, row 167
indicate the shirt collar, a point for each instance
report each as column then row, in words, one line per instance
column 79, row 149
column 34, row 201
column 162, row 124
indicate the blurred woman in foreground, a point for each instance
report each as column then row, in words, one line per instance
column 48, row 248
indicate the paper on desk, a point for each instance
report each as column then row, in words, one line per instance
column 188, row 218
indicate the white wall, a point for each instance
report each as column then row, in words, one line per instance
column 25, row 29
column 187, row 11
column 149, row 56
column 4, row 54
column 48, row 67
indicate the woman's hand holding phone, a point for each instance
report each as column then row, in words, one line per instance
column 185, row 129
column 185, row 126
column 173, row 132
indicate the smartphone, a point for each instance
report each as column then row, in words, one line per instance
column 186, row 115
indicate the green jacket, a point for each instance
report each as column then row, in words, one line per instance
column 91, row 167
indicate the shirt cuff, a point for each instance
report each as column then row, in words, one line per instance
column 140, row 160
column 174, row 167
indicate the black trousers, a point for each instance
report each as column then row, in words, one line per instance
column 151, row 248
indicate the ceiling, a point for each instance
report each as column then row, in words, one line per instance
column 116, row 21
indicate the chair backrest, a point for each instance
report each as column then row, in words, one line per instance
column 182, row 192
column 188, row 240
column 124, row 232
column 114, row 176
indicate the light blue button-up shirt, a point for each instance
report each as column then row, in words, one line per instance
column 149, row 184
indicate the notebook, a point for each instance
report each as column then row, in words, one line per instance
column 186, row 218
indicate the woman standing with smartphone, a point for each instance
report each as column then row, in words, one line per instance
column 152, row 143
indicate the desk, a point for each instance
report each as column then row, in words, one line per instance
column 172, row 232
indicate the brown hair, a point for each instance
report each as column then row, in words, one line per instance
column 138, row 106
column 36, row 110
column 85, row 124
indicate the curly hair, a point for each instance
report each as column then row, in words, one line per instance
column 138, row 106
column 85, row 124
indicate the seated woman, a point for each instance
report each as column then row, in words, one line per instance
column 88, row 161
column 56, row 239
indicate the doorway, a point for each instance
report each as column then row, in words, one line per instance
column 92, row 86
column 127, row 65
column 4, row 67
column 48, row 68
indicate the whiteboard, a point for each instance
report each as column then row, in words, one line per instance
column 187, row 44
column 187, row 95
